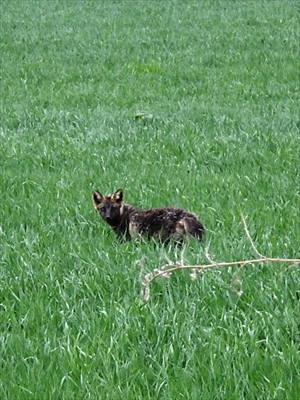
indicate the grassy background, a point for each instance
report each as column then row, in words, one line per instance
column 221, row 79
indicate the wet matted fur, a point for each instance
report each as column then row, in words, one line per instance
column 162, row 224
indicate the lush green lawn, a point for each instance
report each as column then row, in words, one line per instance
column 221, row 79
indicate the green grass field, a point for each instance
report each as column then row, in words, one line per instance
column 221, row 79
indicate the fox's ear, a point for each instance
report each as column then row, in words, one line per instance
column 97, row 198
column 118, row 196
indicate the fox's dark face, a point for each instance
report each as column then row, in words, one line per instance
column 109, row 207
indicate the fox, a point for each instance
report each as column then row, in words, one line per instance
column 162, row 224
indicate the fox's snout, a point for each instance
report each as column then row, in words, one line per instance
column 107, row 218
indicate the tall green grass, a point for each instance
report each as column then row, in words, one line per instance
column 221, row 79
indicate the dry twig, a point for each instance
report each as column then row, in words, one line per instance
column 167, row 269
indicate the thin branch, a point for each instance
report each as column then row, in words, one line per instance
column 208, row 256
column 221, row 264
column 250, row 238
column 167, row 269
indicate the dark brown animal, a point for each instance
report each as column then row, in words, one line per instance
column 162, row 224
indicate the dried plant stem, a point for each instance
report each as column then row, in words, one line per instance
column 167, row 269
column 174, row 267
column 250, row 238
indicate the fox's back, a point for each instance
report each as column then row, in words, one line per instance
column 165, row 223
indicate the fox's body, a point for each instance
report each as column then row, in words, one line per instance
column 162, row 224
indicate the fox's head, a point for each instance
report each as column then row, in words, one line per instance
column 110, row 207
